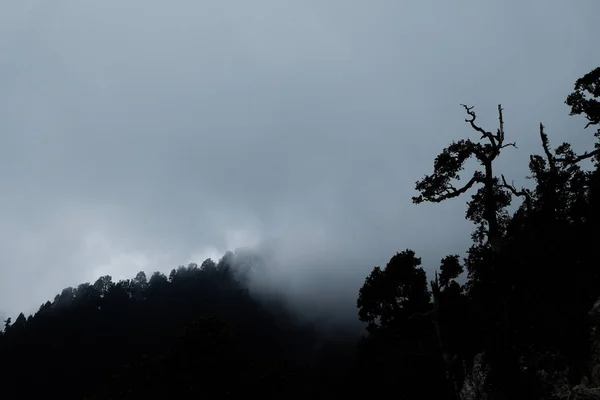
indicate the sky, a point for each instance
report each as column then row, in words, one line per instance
column 143, row 135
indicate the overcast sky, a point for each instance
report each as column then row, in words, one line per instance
column 141, row 135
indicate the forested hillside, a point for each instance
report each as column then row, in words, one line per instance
column 515, row 319
column 198, row 331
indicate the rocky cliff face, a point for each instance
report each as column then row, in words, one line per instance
column 474, row 384
column 555, row 382
column 589, row 388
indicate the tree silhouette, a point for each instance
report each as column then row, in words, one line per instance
column 396, row 305
column 390, row 296
column 487, row 209
column 491, row 198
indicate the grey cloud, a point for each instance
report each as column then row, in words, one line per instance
column 143, row 135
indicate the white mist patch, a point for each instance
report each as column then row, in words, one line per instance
column 204, row 253
column 105, row 257
column 242, row 238
column 122, row 266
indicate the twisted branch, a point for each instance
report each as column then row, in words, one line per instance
column 577, row 159
column 484, row 134
column 519, row 193
column 552, row 160
column 448, row 191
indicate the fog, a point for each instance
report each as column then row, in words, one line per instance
column 143, row 135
